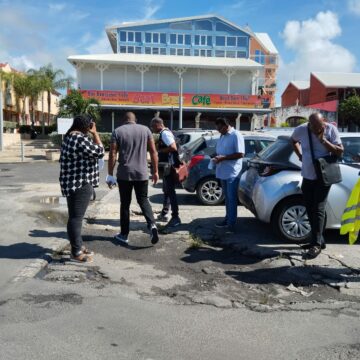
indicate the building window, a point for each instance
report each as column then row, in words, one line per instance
column 138, row 50
column 209, row 40
column 163, row 38
column 187, row 40
column 220, row 41
column 122, row 35
column 155, row 51
column 162, row 51
column 137, row 36
column 148, row 50
column 130, row 49
column 172, row 51
column 155, row 38
column 180, row 39
column 231, row 54
column 220, row 26
column 203, row 40
column 130, row 36
column 219, row 53
column 148, row 37
column 173, row 39
column 185, row 25
column 203, row 25
column 122, row 49
column 241, row 54
column 231, row 41
column 187, row 52
column 196, row 52
column 242, row 41
column 180, row 52
column 259, row 57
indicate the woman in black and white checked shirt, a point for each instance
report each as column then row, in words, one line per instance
column 79, row 174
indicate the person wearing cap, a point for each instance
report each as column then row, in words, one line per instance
column 79, row 174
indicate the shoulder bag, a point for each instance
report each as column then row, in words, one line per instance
column 327, row 167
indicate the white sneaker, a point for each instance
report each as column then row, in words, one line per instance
column 122, row 238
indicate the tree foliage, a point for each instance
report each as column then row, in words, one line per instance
column 349, row 109
column 74, row 103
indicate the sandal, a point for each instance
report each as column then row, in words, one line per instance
column 81, row 258
column 87, row 251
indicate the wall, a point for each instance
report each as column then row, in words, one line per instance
column 290, row 95
column 10, row 139
column 317, row 91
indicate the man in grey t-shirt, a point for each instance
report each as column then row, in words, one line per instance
column 132, row 141
column 326, row 140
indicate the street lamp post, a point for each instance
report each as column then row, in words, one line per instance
column 180, row 102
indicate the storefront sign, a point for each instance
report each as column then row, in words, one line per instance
column 108, row 97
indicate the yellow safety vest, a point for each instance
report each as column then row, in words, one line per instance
column 350, row 221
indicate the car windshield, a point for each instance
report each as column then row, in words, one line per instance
column 351, row 150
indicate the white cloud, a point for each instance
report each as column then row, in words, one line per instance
column 57, row 7
column 312, row 42
column 100, row 46
column 151, row 8
column 354, row 6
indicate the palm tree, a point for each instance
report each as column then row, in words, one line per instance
column 37, row 85
column 22, row 89
column 55, row 79
column 74, row 103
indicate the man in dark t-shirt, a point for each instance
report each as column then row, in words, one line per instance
column 132, row 141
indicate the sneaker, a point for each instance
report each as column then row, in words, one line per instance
column 154, row 236
column 230, row 229
column 163, row 217
column 87, row 251
column 174, row 221
column 122, row 239
column 221, row 224
column 310, row 245
column 313, row 252
column 81, row 258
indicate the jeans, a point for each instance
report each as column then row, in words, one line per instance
column 230, row 189
column 170, row 198
column 315, row 195
column 141, row 192
column 77, row 204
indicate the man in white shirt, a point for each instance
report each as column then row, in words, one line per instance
column 167, row 145
column 326, row 140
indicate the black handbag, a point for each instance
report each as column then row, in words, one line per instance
column 327, row 168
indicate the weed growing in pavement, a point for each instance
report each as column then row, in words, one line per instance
column 195, row 242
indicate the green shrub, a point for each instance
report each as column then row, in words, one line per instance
column 285, row 125
column 105, row 139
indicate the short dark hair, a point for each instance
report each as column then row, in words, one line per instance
column 222, row 121
column 82, row 122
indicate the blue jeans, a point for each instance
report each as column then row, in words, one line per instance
column 230, row 188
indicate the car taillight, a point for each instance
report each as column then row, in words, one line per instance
column 268, row 171
column 194, row 160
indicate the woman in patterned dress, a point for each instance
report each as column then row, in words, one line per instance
column 79, row 174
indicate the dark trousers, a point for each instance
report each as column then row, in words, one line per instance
column 141, row 193
column 77, row 204
column 170, row 198
column 315, row 196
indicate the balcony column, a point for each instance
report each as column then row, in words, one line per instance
column 142, row 69
column 229, row 73
column 78, row 67
column 102, row 68
column 255, row 82
column 237, row 121
column 180, row 70
column 197, row 120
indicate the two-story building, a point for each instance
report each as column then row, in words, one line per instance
column 206, row 59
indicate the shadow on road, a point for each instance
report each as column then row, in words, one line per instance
column 22, row 251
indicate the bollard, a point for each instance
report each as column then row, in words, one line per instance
column 22, row 152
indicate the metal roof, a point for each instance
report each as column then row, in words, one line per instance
column 167, row 60
column 301, row 85
column 112, row 38
column 265, row 40
column 340, row 80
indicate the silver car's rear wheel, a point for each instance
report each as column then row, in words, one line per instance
column 291, row 221
column 209, row 192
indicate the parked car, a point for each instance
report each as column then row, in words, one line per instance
column 188, row 135
column 198, row 154
column 270, row 188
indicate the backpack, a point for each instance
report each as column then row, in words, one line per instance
column 164, row 157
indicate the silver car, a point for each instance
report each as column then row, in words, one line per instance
column 270, row 188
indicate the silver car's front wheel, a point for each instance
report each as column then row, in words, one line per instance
column 209, row 192
column 291, row 221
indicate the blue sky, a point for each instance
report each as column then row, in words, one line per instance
column 310, row 35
